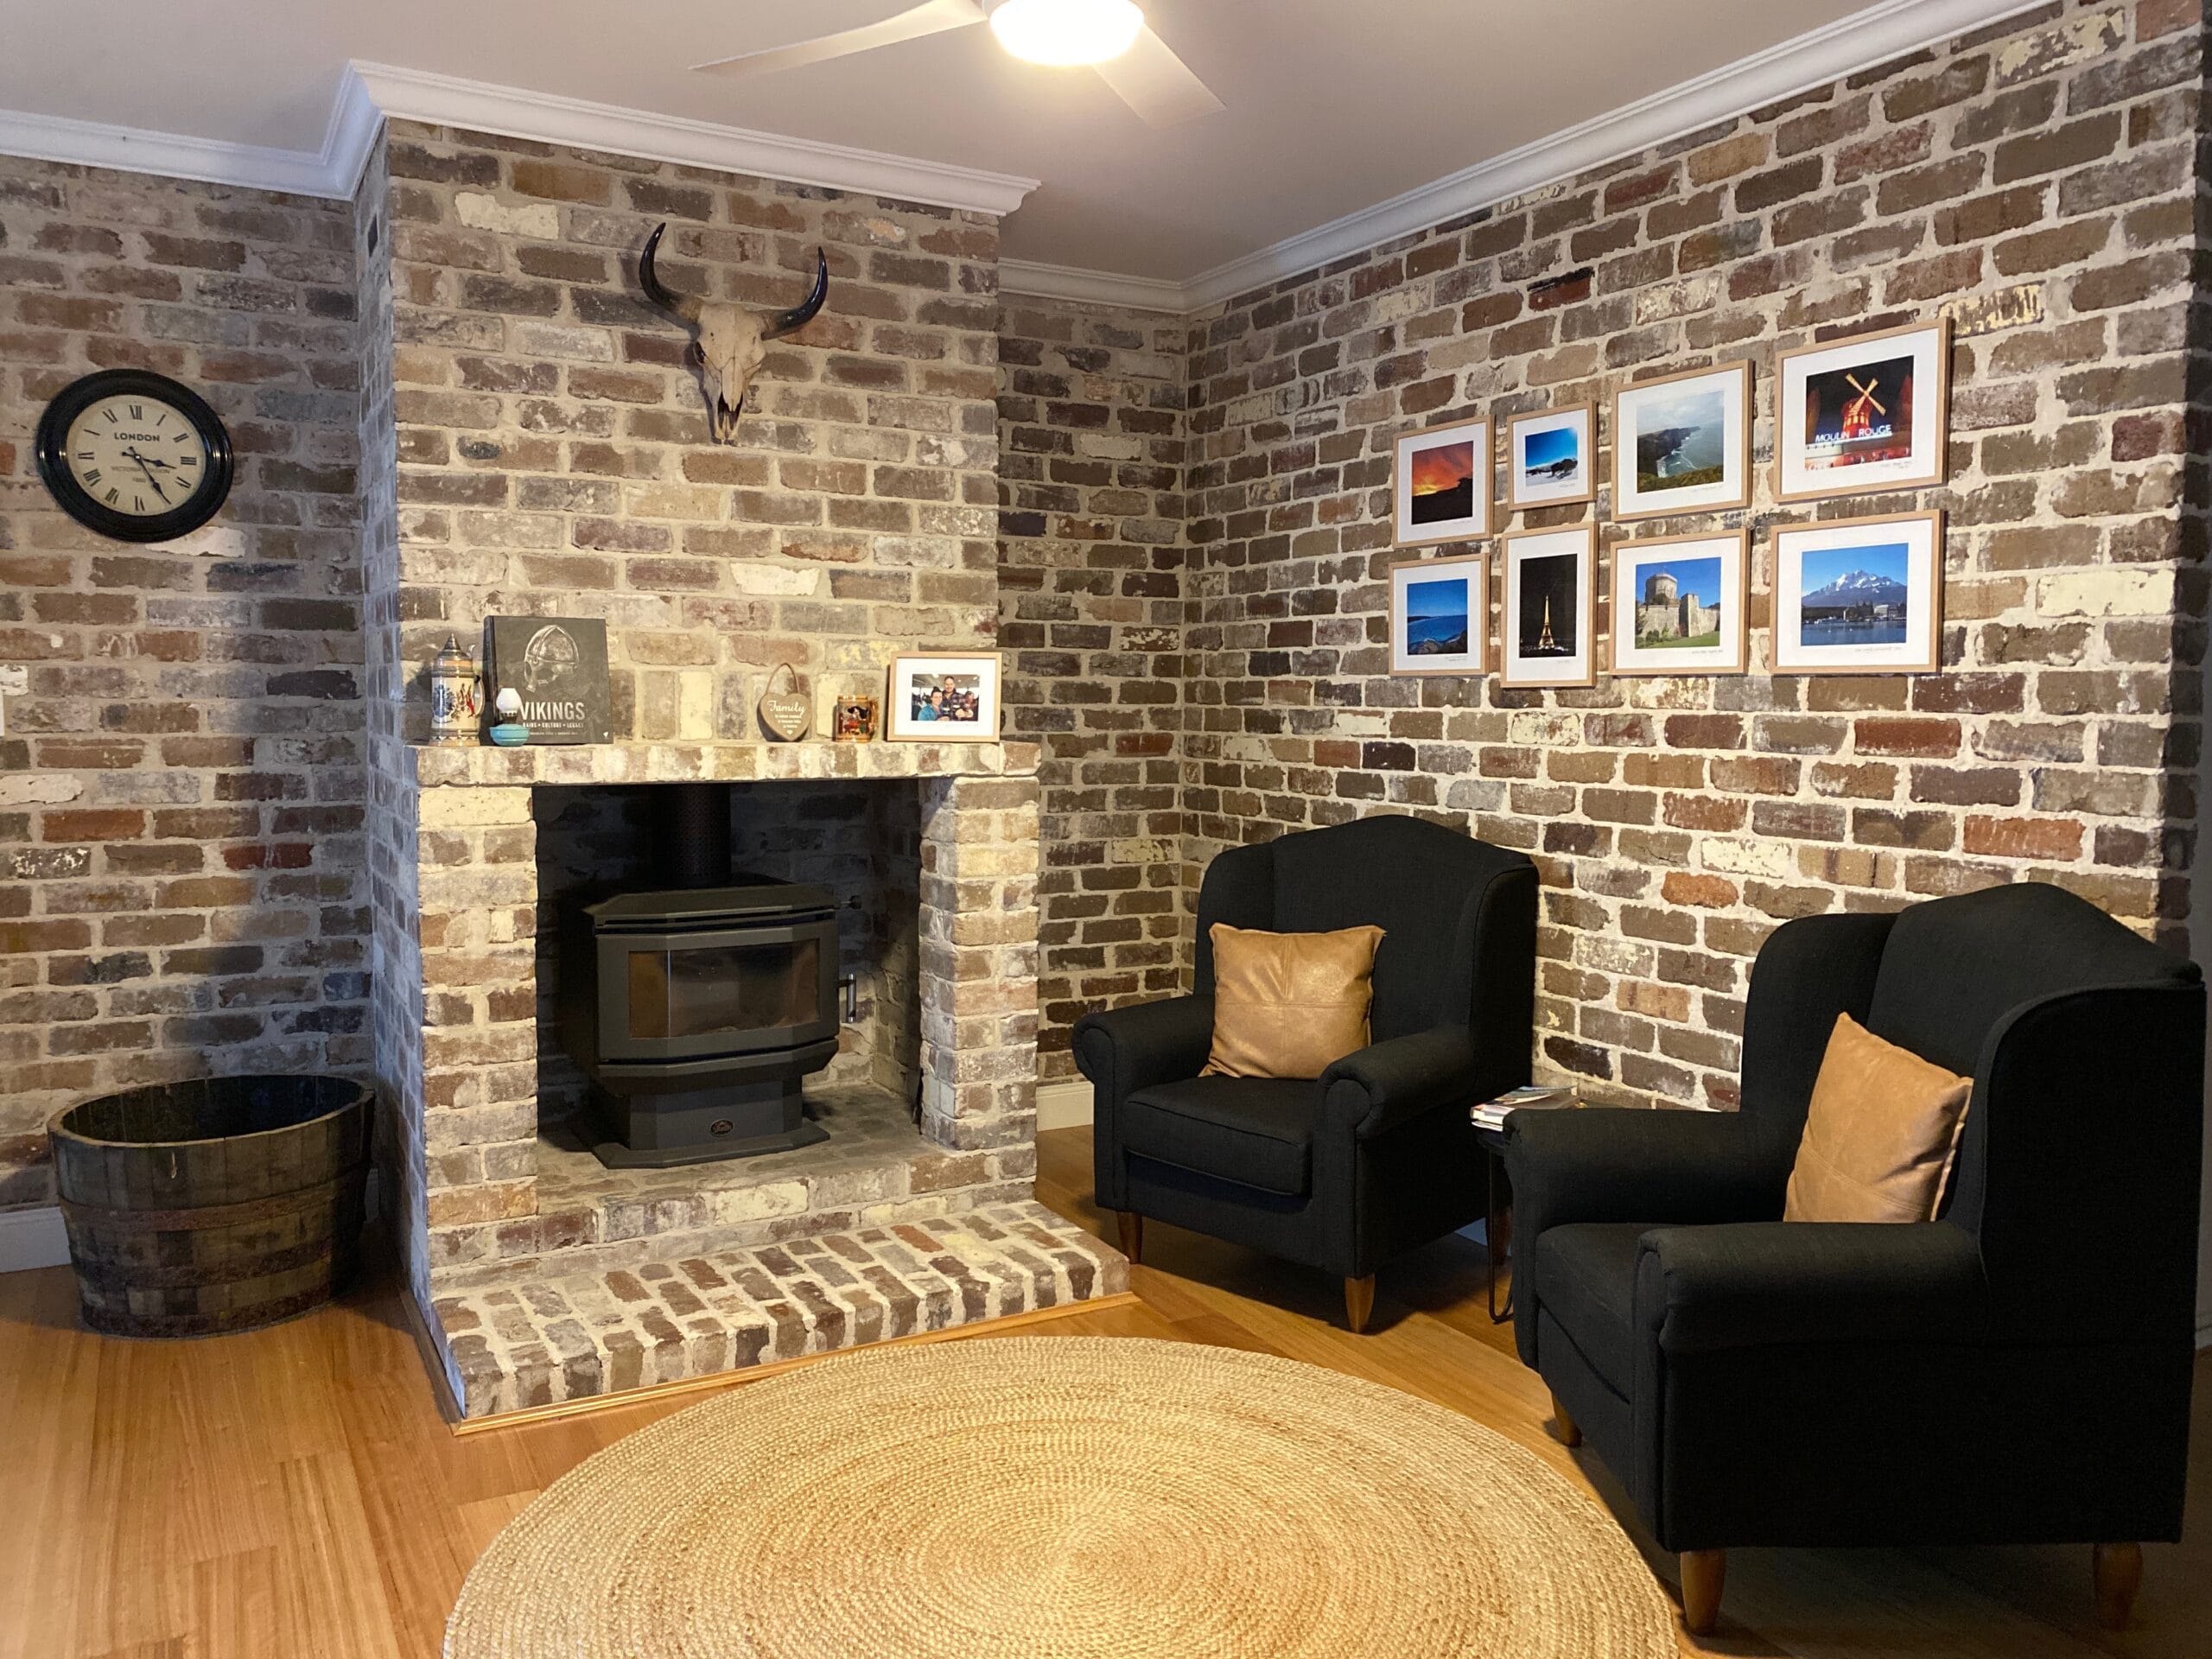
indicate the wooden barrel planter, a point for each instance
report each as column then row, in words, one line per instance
column 217, row 1205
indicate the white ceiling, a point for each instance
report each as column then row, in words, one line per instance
column 1333, row 105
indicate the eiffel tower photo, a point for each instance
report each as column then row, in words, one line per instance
column 1550, row 606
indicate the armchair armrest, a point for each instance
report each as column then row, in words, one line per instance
column 1764, row 1284
column 1620, row 1164
column 1389, row 1082
column 1124, row 1050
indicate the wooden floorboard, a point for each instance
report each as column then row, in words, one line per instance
column 294, row 1492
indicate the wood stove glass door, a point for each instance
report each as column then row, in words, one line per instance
column 675, row 995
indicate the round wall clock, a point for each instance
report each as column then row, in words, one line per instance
column 133, row 455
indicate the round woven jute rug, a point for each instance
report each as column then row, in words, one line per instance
column 1062, row 1498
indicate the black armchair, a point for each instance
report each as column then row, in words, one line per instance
column 2016, row 1371
column 1376, row 1156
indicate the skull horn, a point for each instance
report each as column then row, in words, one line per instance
column 775, row 326
column 681, row 305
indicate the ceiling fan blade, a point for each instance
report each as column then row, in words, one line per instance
column 931, row 17
column 1155, row 83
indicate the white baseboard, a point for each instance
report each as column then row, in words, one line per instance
column 32, row 1238
column 1063, row 1105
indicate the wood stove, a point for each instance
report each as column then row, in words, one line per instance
column 696, row 1007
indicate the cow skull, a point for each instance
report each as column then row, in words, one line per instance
column 728, row 341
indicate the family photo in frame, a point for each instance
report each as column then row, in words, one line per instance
column 944, row 697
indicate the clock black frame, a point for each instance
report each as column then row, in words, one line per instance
column 207, row 496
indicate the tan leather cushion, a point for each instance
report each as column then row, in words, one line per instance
column 1880, row 1135
column 1286, row 1004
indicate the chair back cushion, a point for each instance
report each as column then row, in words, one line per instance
column 1419, row 882
column 1880, row 1136
column 1954, row 967
column 1290, row 1005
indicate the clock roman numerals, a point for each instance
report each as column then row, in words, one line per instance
column 133, row 455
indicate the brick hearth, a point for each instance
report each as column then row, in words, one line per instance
column 543, row 1340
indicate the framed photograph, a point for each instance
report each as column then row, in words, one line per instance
column 1551, row 609
column 1679, row 604
column 1868, row 413
column 1551, row 460
column 1683, row 443
column 1444, row 483
column 1440, row 615
column 1859, row 596
column 949, row 696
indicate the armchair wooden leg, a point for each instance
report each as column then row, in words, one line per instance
column 1564, row 1429
column 1132, row 1229
column 2118, row 1571
column 1359, row 1302
column 1705, row 1571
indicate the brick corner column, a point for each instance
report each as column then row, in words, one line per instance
column 978, row 930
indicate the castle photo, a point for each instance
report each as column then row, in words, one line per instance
column 1679, row 605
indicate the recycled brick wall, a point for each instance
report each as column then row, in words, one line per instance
column 1090, row 553
column 2035, row 182
column 183, row 889
column 553, row 448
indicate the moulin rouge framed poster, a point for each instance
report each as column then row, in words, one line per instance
column 1871, row 412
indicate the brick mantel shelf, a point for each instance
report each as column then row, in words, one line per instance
column 626, row 762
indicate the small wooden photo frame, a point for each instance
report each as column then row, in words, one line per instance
column 943, row 696
column 1871, row 412
column 1679, row 604
column 1444, row 479
column 1682, row 443
column 1859, row 596
column 1440, row 615
column 1548, row 627
column 1551, row 459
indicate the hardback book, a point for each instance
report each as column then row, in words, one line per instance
column 557, row 666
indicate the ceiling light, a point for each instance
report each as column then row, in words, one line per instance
column 1064, row 33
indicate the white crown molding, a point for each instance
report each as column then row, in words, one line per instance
column 1042, row 282
column 33, row 1238
column 479, row 106
column 369, row 92
column 330, row 171
column 1881, row 32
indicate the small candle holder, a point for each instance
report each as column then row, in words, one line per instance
column 852, row 719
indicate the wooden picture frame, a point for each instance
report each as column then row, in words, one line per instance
column 1672, row 564
column 903, row 720
column 1524, row 488
column 1449, row 499
column 1547, row 627
column 1673, row 407
column 1470, row 573
column 1849, row 633
column 1839, row 406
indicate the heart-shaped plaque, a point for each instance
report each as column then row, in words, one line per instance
column 785, row 715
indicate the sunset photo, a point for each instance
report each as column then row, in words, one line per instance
column 1444, row 480
column 1444, row 484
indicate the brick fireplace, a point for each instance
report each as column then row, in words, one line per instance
column 532, row 441
column 549, row 1276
